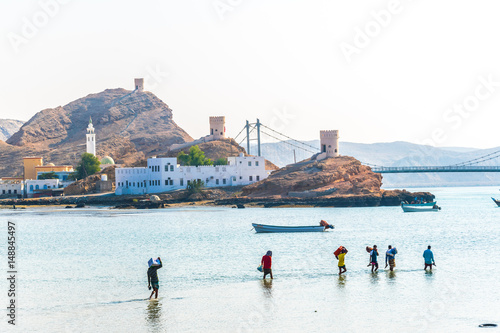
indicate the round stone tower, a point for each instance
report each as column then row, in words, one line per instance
column 218, row 127
column 329, row 143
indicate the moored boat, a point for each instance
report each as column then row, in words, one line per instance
column 423, row 207
column 263, row 228
column 496, row 201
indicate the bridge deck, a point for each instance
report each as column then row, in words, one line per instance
column 421, row 169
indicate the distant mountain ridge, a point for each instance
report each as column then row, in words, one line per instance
column 398, row 153
column 9, row 127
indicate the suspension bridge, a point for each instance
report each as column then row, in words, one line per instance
column 287, row 150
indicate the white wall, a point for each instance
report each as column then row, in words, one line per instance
column 164, row 174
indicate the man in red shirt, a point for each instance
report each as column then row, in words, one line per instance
column 266, row 264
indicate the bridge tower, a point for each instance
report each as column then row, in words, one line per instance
column 218, row 127
column 329, row 143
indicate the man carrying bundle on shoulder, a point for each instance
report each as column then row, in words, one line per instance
column 390, row 257
column 341, row 259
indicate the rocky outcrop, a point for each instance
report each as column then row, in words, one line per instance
column 330, row 177
column 9, row 127
column 129, row 126
column 89, row 184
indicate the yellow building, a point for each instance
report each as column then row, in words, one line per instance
column 34, row 165
column 30, row 163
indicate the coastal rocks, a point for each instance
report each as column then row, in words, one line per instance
column 330, row 177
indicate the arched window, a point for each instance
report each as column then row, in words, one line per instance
column 44, row 187
column 37, row 187
column 31, row 188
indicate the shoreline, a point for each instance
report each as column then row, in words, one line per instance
column 384, row 198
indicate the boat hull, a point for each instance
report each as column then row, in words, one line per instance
column 263, row 228
column 496, row 201
column 426, row 207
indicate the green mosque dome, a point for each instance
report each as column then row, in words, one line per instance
column 107, row 160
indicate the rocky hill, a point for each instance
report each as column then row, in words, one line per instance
column 9, row 127
column 329, row 177
column 129, row 126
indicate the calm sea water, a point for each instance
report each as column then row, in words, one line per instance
column 85, row 270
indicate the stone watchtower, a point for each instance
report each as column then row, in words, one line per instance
column 329, row 143
column 139, row 84
column 218, row 127
column 90, row 138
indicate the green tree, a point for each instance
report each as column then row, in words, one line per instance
column 195, row 186
column 195, row 157
column 88, row 165
column 221, row 161
column 48, row 175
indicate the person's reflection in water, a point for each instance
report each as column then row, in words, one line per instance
column 374, row 278
column 341, row 281
column 153, row 315
column 391, row 275
column 267, row 287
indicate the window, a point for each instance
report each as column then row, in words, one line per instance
column 171, row 182
column 256, row 163
column 37, row 187
column 257, row 178
column 250, row 163
column 150, row 183
column 216, row 182
column 181, row 181
column 206, row 181
column 31, row 188
column 241, row 177
column 166, row 182
column 250, row 178
column 189, row 182
column 134, row 184
column 234, row 178
column 166, row 168
column 224, row 181
column 171, row 168
column 9, row 192
column 15, row 191
column 3, row 191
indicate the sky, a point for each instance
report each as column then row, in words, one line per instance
column 378, row 71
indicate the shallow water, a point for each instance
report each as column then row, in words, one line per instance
column 85, row 270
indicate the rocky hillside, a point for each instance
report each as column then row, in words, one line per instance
column 9, row 127
column 129, row 126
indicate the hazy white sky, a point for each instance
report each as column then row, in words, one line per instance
column 418, row 71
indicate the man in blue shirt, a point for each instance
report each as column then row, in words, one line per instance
column 429, row 258
column 390, row 258
column 373, row 258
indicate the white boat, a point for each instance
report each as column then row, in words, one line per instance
column 424, row 207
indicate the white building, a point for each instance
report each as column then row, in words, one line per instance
column 11, row 187
column 90, row 138
column 36, row 187
column 164, row 174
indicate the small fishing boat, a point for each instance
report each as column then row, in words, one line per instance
column 261, row 228
column 496, row 201
column 423, row 207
